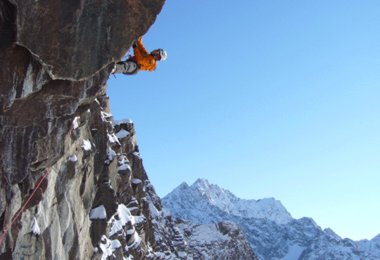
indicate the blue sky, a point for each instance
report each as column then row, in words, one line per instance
column 266, row 99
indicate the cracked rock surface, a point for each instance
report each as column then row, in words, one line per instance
column 72, row 183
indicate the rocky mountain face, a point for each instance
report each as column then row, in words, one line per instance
column 268, row 227
column 223, row 240
column 72, row 183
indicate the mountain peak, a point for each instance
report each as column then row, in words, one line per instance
column 202, row 183
column 183, row 185
column 267, row 225
column 376, row 239
column 205, row 193
column 332, row 234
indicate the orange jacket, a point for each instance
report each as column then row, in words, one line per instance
column 142, row 57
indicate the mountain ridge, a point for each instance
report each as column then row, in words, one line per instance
column 226, row 201
column 272, row 233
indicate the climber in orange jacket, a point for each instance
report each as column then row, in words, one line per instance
column 142, row 60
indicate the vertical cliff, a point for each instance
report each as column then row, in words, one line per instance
column 72, row 183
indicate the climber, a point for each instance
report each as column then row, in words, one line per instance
column 142, row 60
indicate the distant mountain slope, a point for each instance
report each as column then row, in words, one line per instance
column 268, row 226
column 223, row 240
column 213, row 200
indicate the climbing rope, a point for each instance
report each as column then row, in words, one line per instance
column 19, row 212
column 36, row 187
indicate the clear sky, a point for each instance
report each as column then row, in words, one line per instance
column 265, row 98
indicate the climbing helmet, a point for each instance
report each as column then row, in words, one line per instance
column 162, row 53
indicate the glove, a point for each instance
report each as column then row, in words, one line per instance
column 134, row 44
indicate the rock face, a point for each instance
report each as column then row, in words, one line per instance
column 75, row 39
column 223, row 240
column 269, row 228
column 72, row 183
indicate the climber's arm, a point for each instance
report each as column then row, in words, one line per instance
column 139, row 49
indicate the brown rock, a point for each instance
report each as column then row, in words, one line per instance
column 78, row 38
column 56, row 57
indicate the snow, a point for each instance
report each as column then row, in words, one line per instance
column 370, row 248
column 86, row 145
column 207, row 234
column 332, row 234
column 122, row 134
column 269, row 208
column 294, row 252
column 376, row 239
column 137, row 154
column 98, row 213
column 124, row 213
column 106, row 247
column 36, row 228
column 105, row 116
column 153, row 210
column 136, row 241
column 113, row 139
column 136, row 181
column 123, row 165
column 73, row 158
column 267, row 225
column 75, row 123
column 124, row 217
column 116, row 227
column 27, row 87
column 111, row 154
column 202, row 190
column 123, row 121
column 115, row 244
column 136, row 220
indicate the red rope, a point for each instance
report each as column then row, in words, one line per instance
column 38, row 184
column 18, row 213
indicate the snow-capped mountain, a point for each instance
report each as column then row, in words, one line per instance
column 267, row 225
column 213, row 202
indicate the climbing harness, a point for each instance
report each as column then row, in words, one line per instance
column 127, row 67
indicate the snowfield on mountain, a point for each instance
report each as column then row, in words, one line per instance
column 269, row 228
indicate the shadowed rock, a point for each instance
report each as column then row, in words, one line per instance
column 75, row 39
column 55, row 60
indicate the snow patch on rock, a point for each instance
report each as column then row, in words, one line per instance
column 122, row 134
column 36, row 228
column 98, row 213
column 86, row 145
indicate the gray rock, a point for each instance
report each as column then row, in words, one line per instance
column 52, row 85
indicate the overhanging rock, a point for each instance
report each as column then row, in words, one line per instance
column 75, row 39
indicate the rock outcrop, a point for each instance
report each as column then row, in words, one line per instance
column 72, row 183
column 223, row 240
